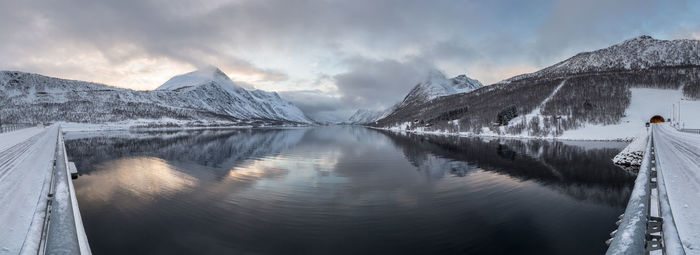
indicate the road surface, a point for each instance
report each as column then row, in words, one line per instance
column 678, row 160
column 26, row 161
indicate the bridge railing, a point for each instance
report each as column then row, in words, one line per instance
column 65, row 233
column 9, row 127
column 690, row 130
column 630, row 237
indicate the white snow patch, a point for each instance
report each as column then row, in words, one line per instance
column 644, row 104
column 633, row 154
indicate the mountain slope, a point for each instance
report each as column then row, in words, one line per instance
column 233, row 100
column 603, row 94
column 198, row 77
column 437, row 85
column 638, row 53
column 364, row 116
column 208, row 97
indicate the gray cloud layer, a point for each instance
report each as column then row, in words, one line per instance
column 372, row 51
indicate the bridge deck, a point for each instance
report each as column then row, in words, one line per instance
column 26, row 163
column 31, row 186
column 678, row 160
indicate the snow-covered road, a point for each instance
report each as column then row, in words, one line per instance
column 25, row 170
column 678, row 160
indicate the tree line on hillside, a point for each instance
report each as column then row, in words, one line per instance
column 595, row 98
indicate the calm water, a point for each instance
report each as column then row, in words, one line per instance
column 344, row 190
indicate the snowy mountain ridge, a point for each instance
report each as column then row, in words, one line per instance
column 364, row 116
column 198, row 77
column 603, row 94
column 438, row 85
column 246, row 103
column 633, row 54
column 200, row 96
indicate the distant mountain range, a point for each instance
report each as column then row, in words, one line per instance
column 615, row 90
column 366, row 116
column 590, row 89
column 434, row 86
column 201, row 98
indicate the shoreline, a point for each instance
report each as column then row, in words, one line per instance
column 469, row 134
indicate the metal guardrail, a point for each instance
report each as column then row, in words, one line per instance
column 631, row 235
column 49, row 204
column 690, row 130
column 638, row 231
column 63, row 231
column 14, row 126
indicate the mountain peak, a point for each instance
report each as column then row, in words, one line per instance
column 204, row 75
column 435, row 74
column 438, row 85
column 642, row 39
column 637, row 53
column 212, row 70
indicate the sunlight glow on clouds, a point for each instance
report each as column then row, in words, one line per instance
column 335, row 55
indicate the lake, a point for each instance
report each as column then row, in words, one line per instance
column 344, row 190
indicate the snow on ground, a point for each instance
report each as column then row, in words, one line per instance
column 536, row 113
column 689, row 115
column 25, row 170
column 634, row 152
column 644, row 104
column 678, row 160
column 10, row 139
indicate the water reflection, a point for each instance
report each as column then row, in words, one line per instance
column 344, row 190
column 579, row 169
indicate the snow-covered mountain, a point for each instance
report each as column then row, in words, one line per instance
column 604, row 94
column 634, row 54
column 437, row 85
column 364, row 116
column 202, row 97
column 235, row 101
column 198, row 77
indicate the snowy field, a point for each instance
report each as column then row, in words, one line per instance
column 644, row 104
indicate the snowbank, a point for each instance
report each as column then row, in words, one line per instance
column 634, row 152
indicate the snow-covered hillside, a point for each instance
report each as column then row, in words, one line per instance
column 604, row 94
column 438, row 85
column 644, row 103
column 236, row 101
column 435, row 85
column 364, row 116
column 634, row 54
column 198, row 77
column 202, row 97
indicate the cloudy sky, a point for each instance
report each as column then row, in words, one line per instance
column 329, row 57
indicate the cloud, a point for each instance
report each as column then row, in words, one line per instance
column 318, row 105
column 372, row 52
column 574, row 26
column 377, row 84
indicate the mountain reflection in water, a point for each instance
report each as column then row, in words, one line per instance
column 344, row 190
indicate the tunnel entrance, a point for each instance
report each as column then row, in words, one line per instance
column 656, row 119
